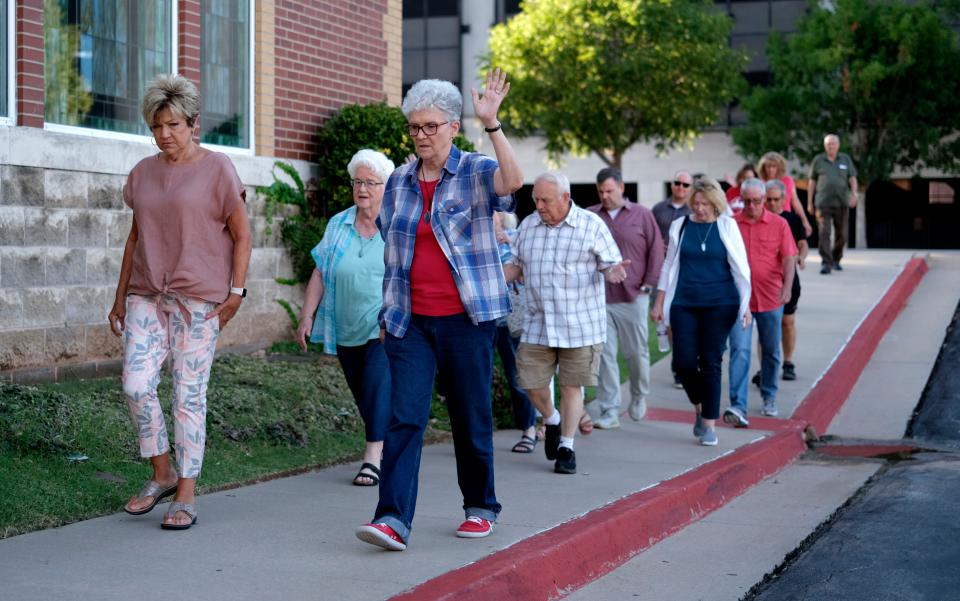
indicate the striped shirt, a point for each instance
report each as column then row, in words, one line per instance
column 461, row 219
column 566, row 306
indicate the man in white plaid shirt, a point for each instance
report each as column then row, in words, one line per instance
column 563, row 253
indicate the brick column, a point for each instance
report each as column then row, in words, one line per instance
column 264, row 71
column 188, row 33
column 29, row 62
column 393, row 35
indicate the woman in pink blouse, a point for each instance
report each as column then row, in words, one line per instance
column 773, row 166
column 181, row 282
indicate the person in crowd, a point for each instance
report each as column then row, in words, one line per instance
column 771, row 254
column 181, row 282
column 773, row 167
column 443, row 290
column 634, row 229
column 563, row 253
column 776, row 193
column 524, row 415
column 704, row 291
column 666, row 212
column 733, row 192
column 833, row 192
column 346, row 286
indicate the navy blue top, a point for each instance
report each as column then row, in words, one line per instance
column 705, row 279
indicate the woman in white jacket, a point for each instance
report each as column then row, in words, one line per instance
column 704, row 289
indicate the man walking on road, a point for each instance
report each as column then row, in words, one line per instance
column 771, row 254
column 833, row 192
column 635, row 231
column 776, row 193
column 564, row 253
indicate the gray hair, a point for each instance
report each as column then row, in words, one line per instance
column 373, row 160
column 174, row 92
column 776, row 184
column 555, row 177
column 828, row 136
column 433, row 93
column 752, row 183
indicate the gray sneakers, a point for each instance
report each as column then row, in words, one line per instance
column 698, row 427
column 736, row 417
column 608, row 421
column 770, row 408
column 637, row 409
column 709, row 437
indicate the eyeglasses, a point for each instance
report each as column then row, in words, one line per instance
column 428, row 129
column 774, row 199
column 753, row 201
column 681, row 184
column 370, row 184
column 698, row 185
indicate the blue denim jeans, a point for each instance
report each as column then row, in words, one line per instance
column 770, row 332
column 462, row 354
column 524, row 415
column 368, row 376
column 699, row 339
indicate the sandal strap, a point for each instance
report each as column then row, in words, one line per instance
column 186, row 508
column 371, row 467
column 151, row 489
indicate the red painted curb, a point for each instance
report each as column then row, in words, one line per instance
column 827, row 396
column 684, row 416
column 557, row 561
column 553, row 563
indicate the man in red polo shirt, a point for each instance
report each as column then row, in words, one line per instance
column 770, row 252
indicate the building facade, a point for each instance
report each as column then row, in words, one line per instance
column 72, row 73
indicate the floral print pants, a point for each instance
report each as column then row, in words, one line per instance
column 155, row 327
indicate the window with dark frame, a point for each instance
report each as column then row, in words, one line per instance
column 99, row 57
column 431, row 41
column 225, row 73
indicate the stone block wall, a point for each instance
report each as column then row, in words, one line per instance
column 63, row 225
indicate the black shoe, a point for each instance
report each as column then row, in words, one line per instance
column 677, row 383
column 756, row 378
column 836, row 267
column 825, row 270
column 566, row 461
column 788, row 371
column 551, row 440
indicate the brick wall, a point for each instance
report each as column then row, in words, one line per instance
column 29, row 62
column 328, row 53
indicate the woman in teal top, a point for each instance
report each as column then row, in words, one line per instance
column 345, row 292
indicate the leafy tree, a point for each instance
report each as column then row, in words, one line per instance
column 883, row 75
column 66, row 99
column 598, row 76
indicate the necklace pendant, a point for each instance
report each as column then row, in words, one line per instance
column 703, row 247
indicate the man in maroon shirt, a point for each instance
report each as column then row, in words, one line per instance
column 635, row 231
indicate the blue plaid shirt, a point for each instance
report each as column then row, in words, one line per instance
column 461, row 219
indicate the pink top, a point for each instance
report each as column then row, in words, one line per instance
column 790, row 185
column 184, row 245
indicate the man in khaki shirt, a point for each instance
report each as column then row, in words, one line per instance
column 833, row 183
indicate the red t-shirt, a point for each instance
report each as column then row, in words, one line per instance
column 432, row 289
column 767, row 241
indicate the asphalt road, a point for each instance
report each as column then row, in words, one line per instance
column 898, row 539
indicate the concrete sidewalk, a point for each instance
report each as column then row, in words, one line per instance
column 293, row 538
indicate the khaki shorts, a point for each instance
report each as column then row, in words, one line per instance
column 537, row 364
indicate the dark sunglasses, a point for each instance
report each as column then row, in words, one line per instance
column 681, row 184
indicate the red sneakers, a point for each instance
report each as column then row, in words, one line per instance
column 381, row 535
column 474, row 527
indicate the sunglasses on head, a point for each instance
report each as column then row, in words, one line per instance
column 681, row 184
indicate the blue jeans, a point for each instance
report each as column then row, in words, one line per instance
column 368, row 376
column 699, row 339
column 524, row 415
column 770, row 333
column 462, row 353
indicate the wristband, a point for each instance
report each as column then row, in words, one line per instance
column 490, row 130
column 241, row 292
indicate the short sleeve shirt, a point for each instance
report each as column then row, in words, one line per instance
column 767, row 242
column 833, row 179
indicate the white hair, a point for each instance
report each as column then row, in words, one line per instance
column 555, row 177
column 433, row 93
column 373, row 160
column 752, row 183
column 828, row 136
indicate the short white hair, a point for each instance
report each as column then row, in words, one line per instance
column 555, row 177
column 433, row 93
column 373, row 160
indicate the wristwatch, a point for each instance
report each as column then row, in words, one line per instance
column 646, row 289
column 240, row 291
